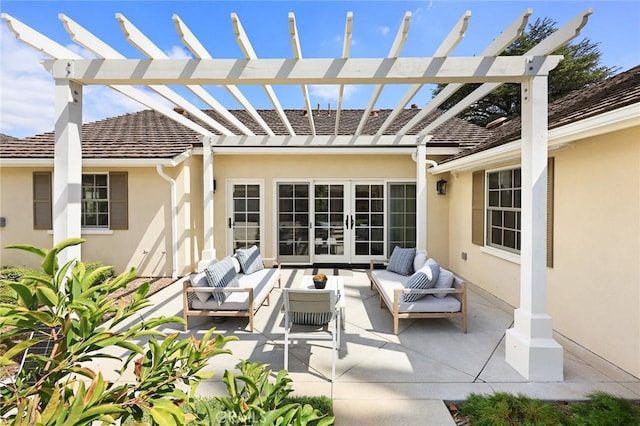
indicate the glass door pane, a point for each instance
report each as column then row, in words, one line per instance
column 329, row 222
column 368, row 212
column 402, row 216
column 293, row 222
column 245, row 218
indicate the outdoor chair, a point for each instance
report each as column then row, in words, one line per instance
column 311, row 314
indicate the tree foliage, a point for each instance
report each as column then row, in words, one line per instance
column 579, row 68
column 70, row 305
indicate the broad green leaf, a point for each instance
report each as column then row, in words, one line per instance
column 48, row 295
column 31, row 249
column 23, row 292
column 22, row 346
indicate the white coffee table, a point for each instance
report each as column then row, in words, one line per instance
column 333, row 283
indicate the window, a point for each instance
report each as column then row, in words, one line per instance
column 104, row 200
column 95, row 201
column 495, row 209
column 503, row 209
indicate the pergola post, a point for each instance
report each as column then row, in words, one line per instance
column 421, row 195
column 67, row 167
column 209, row 251
column 530, row 347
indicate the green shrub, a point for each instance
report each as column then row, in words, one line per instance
column 503, row 409
column 66, row 305
column 603, row 409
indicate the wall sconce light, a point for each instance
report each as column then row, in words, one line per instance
column 214, row 186
column 441, row 187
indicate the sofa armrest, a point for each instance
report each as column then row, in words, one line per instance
column 374, row 262
column 275, row 262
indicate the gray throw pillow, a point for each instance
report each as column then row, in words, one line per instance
column 445, row 280
column 221, row 274
column 424, row 278
column 250, row 260
column 401, row 261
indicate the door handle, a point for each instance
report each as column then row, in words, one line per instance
column 351, row 221
column 346, row 222
column 310, row 225
column 230, row 225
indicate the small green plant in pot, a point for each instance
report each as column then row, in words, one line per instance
column 68, row 305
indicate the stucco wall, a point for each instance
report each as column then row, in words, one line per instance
column 594, row 286
column 267, row 168
column 145, row 245
column 16, row 206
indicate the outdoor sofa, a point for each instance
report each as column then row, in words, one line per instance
column 235, row 286
column 414, row 286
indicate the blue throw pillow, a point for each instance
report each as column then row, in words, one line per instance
column 424, row 278
column 250, row 260
column 220, row 274
column 401, row 261
column 310, row 318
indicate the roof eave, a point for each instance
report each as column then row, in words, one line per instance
column 100, row 162
column 611, row 121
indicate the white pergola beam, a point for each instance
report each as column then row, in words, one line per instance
column 84, row 38
column 396, row 47
column 550, row 44
column 199, row 51
column 473, row 69
column 249, row 53
column 297, row 53
column 40, row 42
column 497, row 46
column 450, row 42
column 346, row 48
column 146, row 46
column 315, row 141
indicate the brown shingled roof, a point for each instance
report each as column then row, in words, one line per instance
column 613, row 93
column 149, row 134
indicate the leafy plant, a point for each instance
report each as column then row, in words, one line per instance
column 603, row 409
column 68, row 305
column 253, row 399
column 505, row 409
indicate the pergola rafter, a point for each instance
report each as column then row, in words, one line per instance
column 530, row 347
column 446, row 47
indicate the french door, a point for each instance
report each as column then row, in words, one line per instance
column 245, row 219
column 331, row 221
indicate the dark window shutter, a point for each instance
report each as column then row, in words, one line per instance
column 550, row 191
column 42, row 201
column 118, row 201
column 477, row 208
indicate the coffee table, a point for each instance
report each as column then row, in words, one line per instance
column 333, row 283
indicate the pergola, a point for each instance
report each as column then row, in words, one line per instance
column 530, row 347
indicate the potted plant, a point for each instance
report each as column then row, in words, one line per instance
column 319, row 281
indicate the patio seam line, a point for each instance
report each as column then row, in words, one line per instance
column 493, row 352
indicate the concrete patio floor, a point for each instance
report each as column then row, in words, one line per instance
column 382, row 378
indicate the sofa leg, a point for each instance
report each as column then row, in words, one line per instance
column 396, row 320
column 250, row 320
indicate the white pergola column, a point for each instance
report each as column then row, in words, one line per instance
column 208, row 251
column 67, row 167
column 421, row 195
column 530, row 347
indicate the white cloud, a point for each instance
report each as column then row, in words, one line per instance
column 178, row 52
column 330, row 92
column 384, row 30
column 26, row 89
column 27, row 97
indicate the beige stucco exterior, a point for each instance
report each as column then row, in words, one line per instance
column 594, row 285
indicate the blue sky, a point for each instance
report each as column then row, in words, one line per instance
column 26, row 96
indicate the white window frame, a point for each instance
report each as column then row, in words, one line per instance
column 83, row 200
column 501, row 251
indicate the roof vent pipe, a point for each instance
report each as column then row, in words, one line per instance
column 174, row 220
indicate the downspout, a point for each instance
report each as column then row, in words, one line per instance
column 174, row 219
